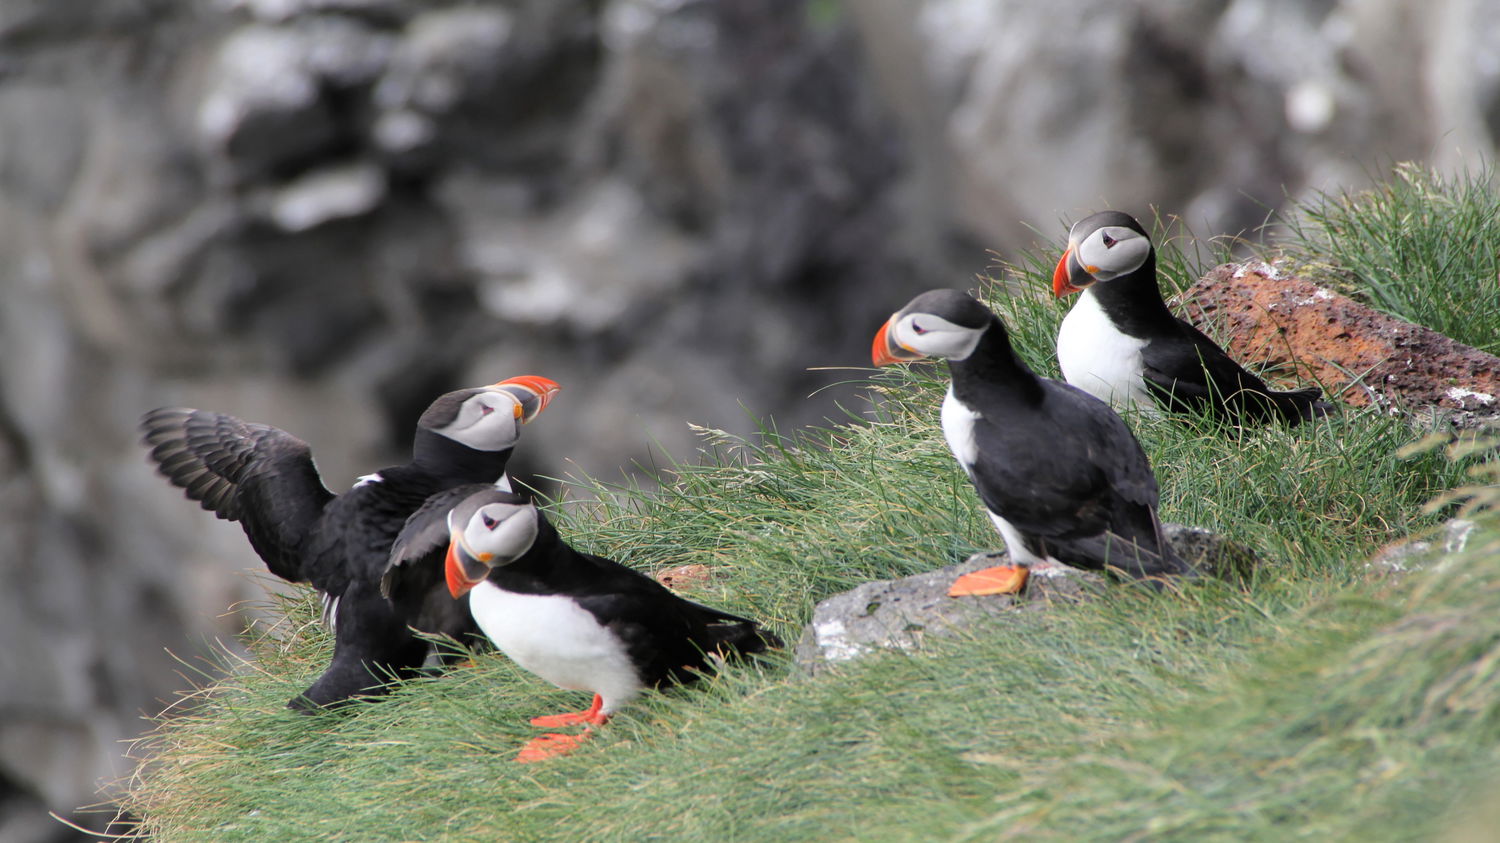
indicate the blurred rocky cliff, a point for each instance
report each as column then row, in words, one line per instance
column 320, row 214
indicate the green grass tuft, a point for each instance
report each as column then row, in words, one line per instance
column 1421, row 246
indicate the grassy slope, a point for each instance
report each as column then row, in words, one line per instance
column 1420, row 246
column 1309, row 703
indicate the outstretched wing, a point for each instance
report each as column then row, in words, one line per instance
column 255, row 474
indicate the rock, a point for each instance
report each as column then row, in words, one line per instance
column 335, row 193
column 900, row 614
column 1215, row 112
column 1415, row 554
column 1359, row 355
column 261, row 107
column 1210, row 553
column 685, row 577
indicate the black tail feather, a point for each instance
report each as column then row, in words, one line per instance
column 743, row 637
column 1300, row 405
column 1110, row 551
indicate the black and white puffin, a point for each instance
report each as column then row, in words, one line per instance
column 1122, row 345
column 265, row 479
column 579, row 621
column 1061, row 476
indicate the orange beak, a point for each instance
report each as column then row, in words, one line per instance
column 537, row 393
column 884, row 351
column 461, row 577
column 1062, row 277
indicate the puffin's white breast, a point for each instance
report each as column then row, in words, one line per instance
column 558, row 640
column 1100, row 360
column 958, row 429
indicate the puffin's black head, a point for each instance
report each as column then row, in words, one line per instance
column 938, row 323
column 486, row 530
column 1101, row 247
column 489, row 418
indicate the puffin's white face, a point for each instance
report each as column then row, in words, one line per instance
column 499, row 533
column 933, row 336
column 1109, row 252
column 489, row 420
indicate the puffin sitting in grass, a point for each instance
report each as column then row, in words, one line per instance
column 1122, row 345
column 1061, row 476
column 265, row 479
column 579, row 621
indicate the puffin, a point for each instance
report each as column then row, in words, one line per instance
column 579, row 621
column 1122, row 345
column 264, row 478
column 1059, row 473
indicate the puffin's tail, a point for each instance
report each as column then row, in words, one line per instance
column 743, row 638
column 731, row 635
column 1143, row 559
column 1300, row 405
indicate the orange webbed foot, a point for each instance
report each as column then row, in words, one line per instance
column 549, row 746
column 587, row 717
column 1002, row 579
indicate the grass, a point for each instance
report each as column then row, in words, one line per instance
column 1420, row 246
column 1311, row 702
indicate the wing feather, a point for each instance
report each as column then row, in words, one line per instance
column 260, row 476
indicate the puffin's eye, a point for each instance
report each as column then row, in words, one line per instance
column 485, row 409
column 489, row 523
column 918, row 329
column 1108, row 241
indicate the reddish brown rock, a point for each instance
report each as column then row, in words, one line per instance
column 1360, row 356
column 685, row 576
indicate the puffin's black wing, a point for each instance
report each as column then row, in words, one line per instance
column 1056, row 476
column 1080, row 489
column 1190, row 372
column 667, row 636
column 424, row 538
column 255, row 474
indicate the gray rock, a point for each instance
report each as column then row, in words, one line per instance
column 336, row 193
column 1293, row 96
column 261, row 107
column 1210, row 553
column 900, row 614
column 1419, row 554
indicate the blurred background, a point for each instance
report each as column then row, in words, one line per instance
column 320, row 214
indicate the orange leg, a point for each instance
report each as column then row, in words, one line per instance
column 1003, row 579
column 550, row 746
column 588, row 717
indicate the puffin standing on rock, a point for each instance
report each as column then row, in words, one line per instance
column 1122, row 345
column 265, row 479
column 1061, row 476
column 581, row 622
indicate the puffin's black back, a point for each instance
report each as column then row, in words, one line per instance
column 1195, row 375
column 666, row 636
